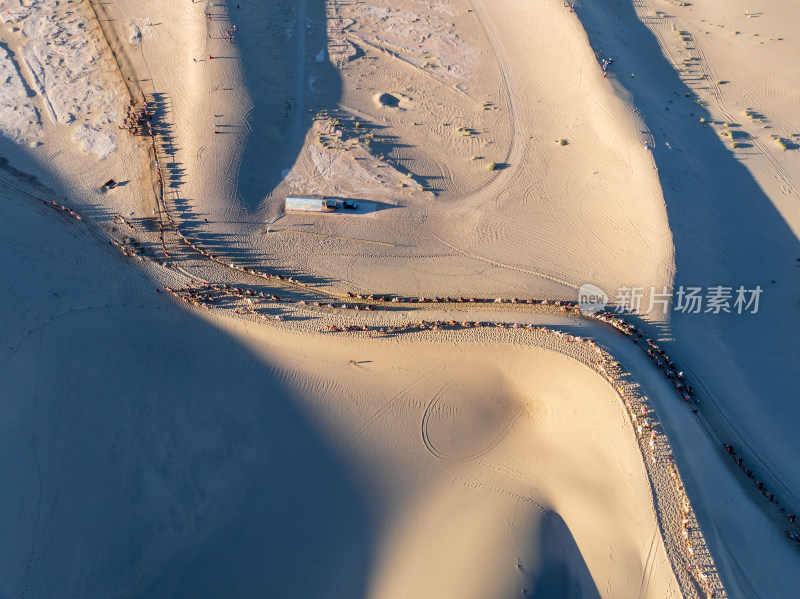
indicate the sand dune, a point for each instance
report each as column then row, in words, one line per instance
column 240, row 465
column 152, row 449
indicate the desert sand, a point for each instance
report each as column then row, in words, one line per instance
column 192, row 406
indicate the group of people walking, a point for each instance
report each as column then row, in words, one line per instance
column 687, row 393
column 63, row 208
column 641, row 416
column 792, row 533
column 137, row 118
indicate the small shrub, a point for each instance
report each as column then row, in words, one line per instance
column 780, row 141
column 491, row 166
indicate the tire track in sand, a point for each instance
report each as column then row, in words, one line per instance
column 503, row 265
column 480, row 451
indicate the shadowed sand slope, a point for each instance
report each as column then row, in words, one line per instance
column 732, row 217
column 147, row 454
column 562, row 572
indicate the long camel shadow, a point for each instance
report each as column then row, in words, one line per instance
column 287, row 89
column 727, row 232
